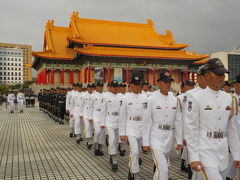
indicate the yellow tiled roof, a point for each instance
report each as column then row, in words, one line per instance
column 55, row 41
column 125, row 34
column 139, row 53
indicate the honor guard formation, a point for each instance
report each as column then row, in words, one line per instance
column 202, row 122
column 15, row 102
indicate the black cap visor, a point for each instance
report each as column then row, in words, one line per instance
column 220, row 71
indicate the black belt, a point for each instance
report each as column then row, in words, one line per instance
column 164, row 127
column 135, row 118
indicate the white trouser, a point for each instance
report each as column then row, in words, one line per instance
column 20, row 102
column 135, row 146
column 210, row 174
column 71, row 122
column 161, row 161
column 88, row 128
column 78, row 124
column 99, row 133
column 231, row 170
column 11, row 105
column 113, row 135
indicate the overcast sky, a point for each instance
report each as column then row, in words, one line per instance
column 208, row 26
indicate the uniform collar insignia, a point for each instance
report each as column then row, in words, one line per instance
column 144, row 105
column 130, row 103
column 228, row 108
column 185, row 99
column 158, row 107
column 208, row 108
column 189, row 106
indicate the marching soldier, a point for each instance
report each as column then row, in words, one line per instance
column 210, row 124
column 69, row 109
column 61, row 106
column 162, row 113
column 111, row 121
column 98, row 115
column 32, row 99
column 87, row 115
column 40, row 96
column 130, row 128
column 184, row 98
column 27, row 97
column 146, row 89
column 76, row 103
column 10, row 99
column 232, row 171
column 20, row 100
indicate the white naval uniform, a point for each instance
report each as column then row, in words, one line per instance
column 69, row 107
column 98, row 115
column 183, row 99
column 20, row 100
column 131, row 116
column 207, row 116
column 232, row 170
column 10, row 99
column 162, row 113
column 112, row 106
column 87, row 114
column 146, row 94
column 76, row 102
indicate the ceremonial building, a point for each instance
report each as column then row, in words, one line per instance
column 91, row 49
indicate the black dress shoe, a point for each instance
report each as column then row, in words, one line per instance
column 89, row 146
column 114, row 167
column 78, row 141
column 122, row 152
column 70, row 135
column 154, row 168
column 81, row 139
column 189, row 172
column 96, row 152
column 130, row 176
column 100, row 153
column 140, row 161
column 183, row 167
column 227, row 178
column 111, row 162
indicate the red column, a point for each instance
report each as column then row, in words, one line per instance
column 71, row 77
column 179, row 76
column 147, row 75
column 104, row 75
column 52, row 76
column 62, row 76
column 85, row 75
column 80, row 76
column 154, row 76
column 127, row 75
column 186, row 74
column 89, row 74
column 109, row 74
column 170, row 72
column 44, row 76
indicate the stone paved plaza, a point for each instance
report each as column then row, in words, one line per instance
column 33, row 146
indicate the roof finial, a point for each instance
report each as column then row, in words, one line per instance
column 75, row 15
column 50, row 24
column 150, row 22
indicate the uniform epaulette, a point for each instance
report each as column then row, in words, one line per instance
column 179, row 102
column 234, row 101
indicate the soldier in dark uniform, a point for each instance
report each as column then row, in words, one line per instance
column 27, row 97
column 40, row 94
column 61, row 105
column 32, row 99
